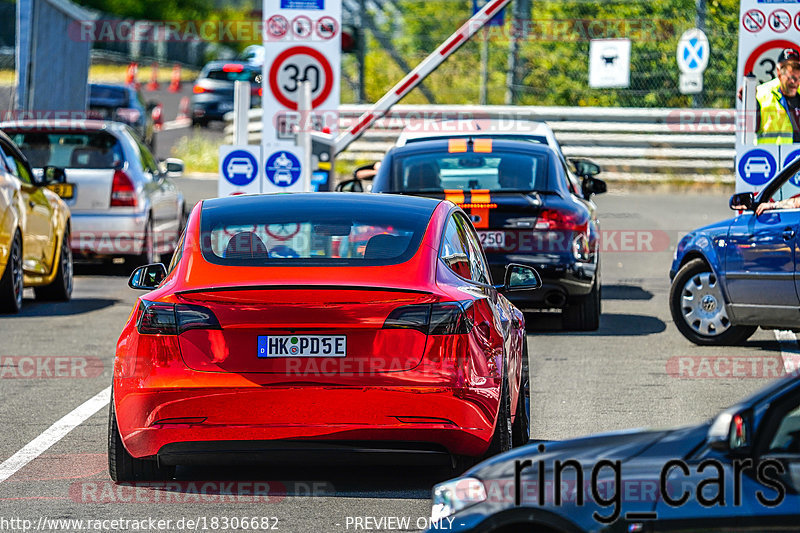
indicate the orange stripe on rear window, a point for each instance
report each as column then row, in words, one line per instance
column 482, row 145
column 457, row 145
column 454, row 195
column 480, row 196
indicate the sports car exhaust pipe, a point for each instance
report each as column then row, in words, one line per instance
column 555, row 299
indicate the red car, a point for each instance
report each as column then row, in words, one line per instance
column 271, row 333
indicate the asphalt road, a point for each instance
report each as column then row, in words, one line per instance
column 620, row 376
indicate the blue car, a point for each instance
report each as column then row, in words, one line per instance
column 733, row 276
column 737, row 472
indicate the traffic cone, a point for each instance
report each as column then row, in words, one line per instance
column 153, row 84
column 158, row 117
column 130, row 74
column 183, row 108
column 175, row 82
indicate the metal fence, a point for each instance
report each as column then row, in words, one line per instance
column 631, row 144
column 553, row 59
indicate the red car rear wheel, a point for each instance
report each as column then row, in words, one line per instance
column 122, row 466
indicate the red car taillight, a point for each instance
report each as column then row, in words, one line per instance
column 200, row 90
column 174, row 319
column 446, row 318
column 556, row 219
column 123, row 192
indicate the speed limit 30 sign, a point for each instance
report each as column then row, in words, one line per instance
column 295, row 65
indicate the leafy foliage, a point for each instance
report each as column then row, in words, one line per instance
column 554, row 52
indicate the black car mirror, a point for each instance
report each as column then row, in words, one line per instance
column 148, row 277
column 520, row 278
column 743, row 200
column 585, row 168
column 352, row 185
column 51, row 174
column 592, row 186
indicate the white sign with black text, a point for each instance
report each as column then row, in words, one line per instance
column 609, row 63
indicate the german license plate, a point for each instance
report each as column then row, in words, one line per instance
column 302, row 346
column 492, row 239
column 64, row 190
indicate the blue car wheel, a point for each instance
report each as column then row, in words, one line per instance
column 698, row 307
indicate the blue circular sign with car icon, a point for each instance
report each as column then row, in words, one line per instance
column 282, row 169
column 795, row 180
column 240, row 168
column 757, row 167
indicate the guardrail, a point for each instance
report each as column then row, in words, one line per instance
column 630, row 144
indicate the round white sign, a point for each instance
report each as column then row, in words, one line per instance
column 693, row 51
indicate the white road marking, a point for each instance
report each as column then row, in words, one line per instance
column 176, row 124
column 790, row 350
column 53, row 434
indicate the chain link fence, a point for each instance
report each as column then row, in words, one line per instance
column 553, row 59
column 654, row 32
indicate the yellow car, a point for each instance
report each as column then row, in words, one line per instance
column 34, row 231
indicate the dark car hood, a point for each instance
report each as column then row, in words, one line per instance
column 620, row 445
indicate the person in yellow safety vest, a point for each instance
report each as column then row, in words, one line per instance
column 778, row 104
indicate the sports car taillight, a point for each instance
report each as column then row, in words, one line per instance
column 123, row 192
column 557, row 219
column 174, row 319
column 446, row 318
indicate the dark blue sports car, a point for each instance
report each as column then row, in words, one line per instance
column 525, row 208
column 737, row 472
column 733, row 276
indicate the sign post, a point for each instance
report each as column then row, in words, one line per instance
column 241, row 109
column 302, row 46
column 764, row 30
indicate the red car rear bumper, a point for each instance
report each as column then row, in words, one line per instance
column 460, row 420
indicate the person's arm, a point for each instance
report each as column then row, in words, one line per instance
column 789, row 203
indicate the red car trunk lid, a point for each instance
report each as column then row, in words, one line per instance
column 297, row 315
